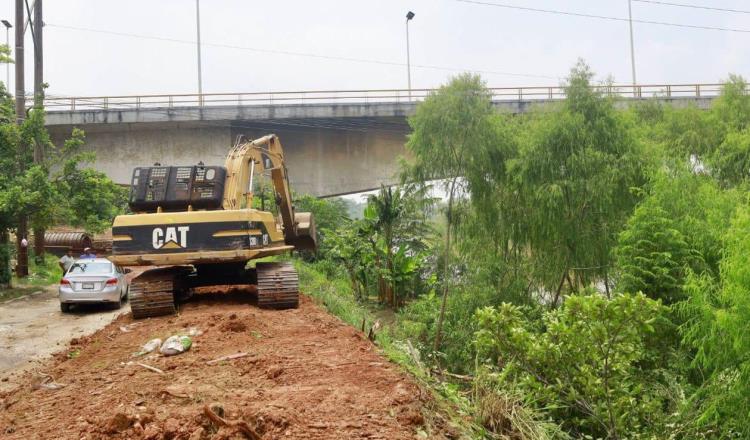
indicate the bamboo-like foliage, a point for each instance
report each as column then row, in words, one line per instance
column 717, row 313
column 576, row 172
column 449, row 129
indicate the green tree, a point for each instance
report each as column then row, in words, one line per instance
column 729, row 159
column 57, row 190
column 328, row 214
column 387, row 208
column 391, row 219
column 5, row 56
column 730, row 162
column 652, row 255
column 348, row 245
column 577, row 171
column 716, row 314
column 448, row 127
column 732, row 108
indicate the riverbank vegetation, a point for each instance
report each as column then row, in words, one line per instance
column 576, row 272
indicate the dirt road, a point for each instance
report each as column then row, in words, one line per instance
column 300, row 374
column 32, row 328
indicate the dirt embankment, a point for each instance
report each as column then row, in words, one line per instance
column 305, row 375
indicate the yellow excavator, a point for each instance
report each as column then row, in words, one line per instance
column 197, row 225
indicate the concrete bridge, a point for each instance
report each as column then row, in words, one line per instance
column 336, row 142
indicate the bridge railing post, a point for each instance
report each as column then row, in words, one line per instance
column 138, row 102
column 697, row 90
column 171, row 99
column 669, row 91
column 72, row 104
column 106, row 102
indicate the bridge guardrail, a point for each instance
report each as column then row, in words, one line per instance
column 73, row 103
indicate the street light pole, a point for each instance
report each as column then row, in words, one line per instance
column 22, row 265
column 7, row 25
column 409, row 16
column 632, row 46
column 198, row 25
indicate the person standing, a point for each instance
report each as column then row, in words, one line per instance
column 88, row 253
column 66, row 261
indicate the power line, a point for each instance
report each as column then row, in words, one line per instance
column 682, row 5
column 602, row 17
column 299, row 54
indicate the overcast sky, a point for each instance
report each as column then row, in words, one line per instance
column 445, row 33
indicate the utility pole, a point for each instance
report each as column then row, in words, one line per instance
column 38, row 60
column 37, row 29
column 200, row 68
column 632, row 46
column 409, row 16
column 22, row 269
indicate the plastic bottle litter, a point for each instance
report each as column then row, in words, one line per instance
column 175, row 345
column 149, row 346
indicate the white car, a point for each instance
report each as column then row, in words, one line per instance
column 93, row 280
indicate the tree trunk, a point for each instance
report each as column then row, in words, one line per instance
column 5, row 277
column 573, row 288
column 39, row 243
column 606, row 283
column 22, row 258
column 559, row 289
column 391, row 291
column 446, row 269
column 381, row 286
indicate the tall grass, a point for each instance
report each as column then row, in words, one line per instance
column 332, row 290
column 42, row 274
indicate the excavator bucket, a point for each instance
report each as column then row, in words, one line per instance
column 306, row 238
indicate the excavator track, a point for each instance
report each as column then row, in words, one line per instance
column 278, row 286
column 152, row 293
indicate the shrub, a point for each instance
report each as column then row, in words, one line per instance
column 583, row 365
column 716, row 313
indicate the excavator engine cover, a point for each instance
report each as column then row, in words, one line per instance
column 176, row 188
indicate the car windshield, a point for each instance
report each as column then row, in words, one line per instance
column 90, row 268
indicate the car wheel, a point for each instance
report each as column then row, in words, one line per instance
column 65, row 308
column 118, row 304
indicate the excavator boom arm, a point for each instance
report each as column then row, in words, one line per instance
column 246, row 159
